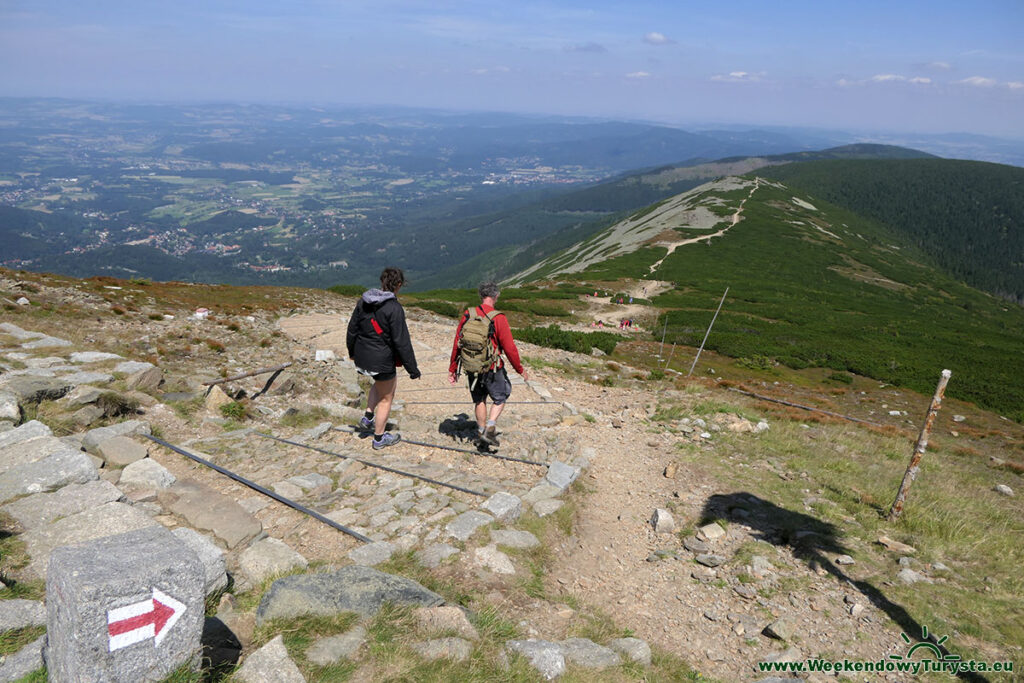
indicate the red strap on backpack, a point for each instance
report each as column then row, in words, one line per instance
column 380, row 330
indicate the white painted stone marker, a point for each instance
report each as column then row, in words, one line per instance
column 123, row 608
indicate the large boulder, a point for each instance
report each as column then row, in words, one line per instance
column 59, row 469
column 33, row 389
column 351, row 589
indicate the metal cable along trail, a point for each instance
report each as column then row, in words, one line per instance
column 369, row 463
column 456, row 449
column 256, row 487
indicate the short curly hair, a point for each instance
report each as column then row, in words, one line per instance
column 488, row 289
column 391, row 279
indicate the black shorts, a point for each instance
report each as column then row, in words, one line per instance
column 378, row 376
column 494, row 383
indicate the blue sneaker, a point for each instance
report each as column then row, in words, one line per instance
column 388, row 439
column 366, row 423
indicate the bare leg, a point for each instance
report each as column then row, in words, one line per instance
column 383, row 392
column 496, row 409
column 481, row 414
column 371, row 398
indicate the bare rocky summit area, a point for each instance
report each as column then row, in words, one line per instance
column 625, row 535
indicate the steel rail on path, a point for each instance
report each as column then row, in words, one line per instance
column 256, row 487
column 370, row 463
column 350, row 430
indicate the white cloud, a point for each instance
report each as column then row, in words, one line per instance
column 978, row 81
column 738, row 77
column 921, row 80
column 888, row 78
column 939, row 66
column 655, row 38
column 1015, row 85
column 638, row 75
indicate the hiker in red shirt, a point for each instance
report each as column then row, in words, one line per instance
column 482, row 337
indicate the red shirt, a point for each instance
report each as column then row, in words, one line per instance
column 503, row 341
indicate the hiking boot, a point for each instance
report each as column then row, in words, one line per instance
column 388, row 439
column 366, row 423
column 490, row 436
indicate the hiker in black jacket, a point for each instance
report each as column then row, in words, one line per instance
column 378, row 342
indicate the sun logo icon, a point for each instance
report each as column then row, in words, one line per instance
column 927, row 645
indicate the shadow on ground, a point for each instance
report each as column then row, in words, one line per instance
column 810, row 539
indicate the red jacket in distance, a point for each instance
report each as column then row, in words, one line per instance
column 503, row 341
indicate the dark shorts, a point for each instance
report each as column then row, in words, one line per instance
column 494, row 384
column 378, row 376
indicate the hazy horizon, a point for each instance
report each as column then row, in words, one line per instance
column 913, row 67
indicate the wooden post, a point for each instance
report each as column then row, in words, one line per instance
column 669, row 361
column 697, row 357
column 661, row 348
column 922, row 443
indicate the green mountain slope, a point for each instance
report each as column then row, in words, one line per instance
column 968, row 216
column 811, row 284
column 512, row 240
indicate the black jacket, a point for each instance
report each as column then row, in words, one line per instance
column 377, row 352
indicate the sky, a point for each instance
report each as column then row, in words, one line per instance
column 931, row 66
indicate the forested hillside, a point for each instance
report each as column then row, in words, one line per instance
column 968, row 216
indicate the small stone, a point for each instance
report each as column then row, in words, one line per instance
column 856, row 610
column 372, row 554
column 1003, row 489
column 455, row 649
column 209, row 554
column 760, row 567
column 268, row 558
column 544, row 656
column 270, row 664
column 843, row 560
column 489, row 557
column 662, row 521
column 215, row 399
column 463, row 526
column 561, row 475
column 21, row 613
column 959, row 418
column 696, row 546
column 670, row 470
column 781, row 629
column 633, row 649
column 325, row 355
column 711, row 532
column 120, row 451
column 514, row 538
column 432, row 556
column 333, row 649
column 588, row 654
column 543, row 508
column 710, row 560
column 745, row 592
column 146, row 474
column 909, row 576
column 505, row 507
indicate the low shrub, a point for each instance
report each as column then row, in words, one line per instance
column 554, row 337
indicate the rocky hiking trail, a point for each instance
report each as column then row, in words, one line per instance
column 608, row 500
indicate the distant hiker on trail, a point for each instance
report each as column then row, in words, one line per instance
column 378, row 342
column 482, row 337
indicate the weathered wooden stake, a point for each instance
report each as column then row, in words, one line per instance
column 922, row 443
column 706, row 334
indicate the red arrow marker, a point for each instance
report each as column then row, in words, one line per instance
column 140, row 621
